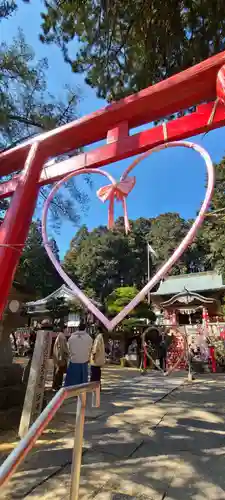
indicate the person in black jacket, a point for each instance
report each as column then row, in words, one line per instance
column 162, row 354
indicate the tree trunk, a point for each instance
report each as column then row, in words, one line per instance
column 6, row 357
column 11, row 387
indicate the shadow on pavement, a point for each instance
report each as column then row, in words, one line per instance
column 135, row 445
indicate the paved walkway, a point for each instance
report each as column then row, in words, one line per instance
column 141, row 444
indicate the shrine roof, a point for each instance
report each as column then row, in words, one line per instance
column 195, row 282
column 62, row 292
column 187, row 297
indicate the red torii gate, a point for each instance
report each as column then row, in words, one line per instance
column 189, row 88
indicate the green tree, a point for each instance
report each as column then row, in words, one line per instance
column 76, row 306
column 213, row 229
column 37, row 274
column 120, row 297
column 103, row 260
column 7, row 7
column 132, row 325
column 58, row 309
column 126, row 47
column 27, row 109
column 167, row 231
column 35, row 268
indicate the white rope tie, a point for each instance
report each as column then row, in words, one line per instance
column 165, row 132
column 213, row 112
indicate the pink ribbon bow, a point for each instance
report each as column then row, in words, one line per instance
column 118, row 191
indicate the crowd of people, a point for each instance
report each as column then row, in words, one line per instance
column 73, row 356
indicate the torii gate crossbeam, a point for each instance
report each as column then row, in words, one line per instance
column 113, row 123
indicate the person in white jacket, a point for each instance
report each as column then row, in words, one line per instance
column 79, row 345
column 97, row 360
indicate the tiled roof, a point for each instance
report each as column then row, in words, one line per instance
column 62, row 292
column 195, row 282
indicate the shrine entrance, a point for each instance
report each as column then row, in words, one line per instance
column 189, row 316
column 187, row 308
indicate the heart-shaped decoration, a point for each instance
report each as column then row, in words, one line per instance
column 165, row 268
column 179, row 359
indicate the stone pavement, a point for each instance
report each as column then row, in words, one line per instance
column 147, row 442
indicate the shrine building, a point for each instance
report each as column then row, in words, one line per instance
column 181, row 300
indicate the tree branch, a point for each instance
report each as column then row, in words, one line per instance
column 26, row 121
column 71, row 100
column 42, row 193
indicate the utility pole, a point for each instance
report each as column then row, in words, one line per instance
column 149, row 270
column 150, row 252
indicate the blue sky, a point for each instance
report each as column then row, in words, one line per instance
column 172, row 180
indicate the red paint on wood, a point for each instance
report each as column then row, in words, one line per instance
column 178, row 92
column 14, row 229
column 190, row 125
